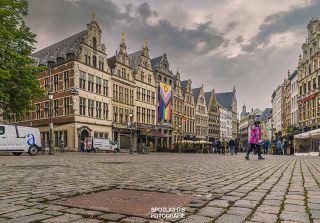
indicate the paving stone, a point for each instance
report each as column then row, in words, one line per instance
column 219, row 203
column 294, row 208
column 27, row 219
column 239, row 211
column 264, row 217
column 272, row 202
column 86, row 220
column 53, row 213
column 10, row 208
column 111, row 217
column 315, row 214
column 134, row 220
column 268, row 209
column 226, row 218
column 63, row 218
column 314, row 206
column 212, row 212
column 196, row 218
column 245, row 204
column 294, row 216
column 291, row 201
column 19, row 213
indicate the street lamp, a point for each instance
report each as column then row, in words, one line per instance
column 179, row 145
column 130, row 125
column 50, row 95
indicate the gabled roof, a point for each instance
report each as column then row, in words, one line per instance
column 184, row 86
column 196, row 92
column 61, row 48
column 225, row 100
column 294, row 73
column 134, row 58
column 112, row 62
column 207, row 96
column 265, row 114
column 155, row 62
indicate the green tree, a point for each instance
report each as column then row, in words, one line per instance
column 18, row 73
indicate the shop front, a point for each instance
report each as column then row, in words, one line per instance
column 307, row 143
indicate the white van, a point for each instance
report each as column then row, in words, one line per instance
column 19, row 139
column 104, row 145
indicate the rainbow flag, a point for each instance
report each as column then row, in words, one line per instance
column 165, row 103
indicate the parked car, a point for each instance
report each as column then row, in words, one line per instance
column 19, row 139
column 104, row 145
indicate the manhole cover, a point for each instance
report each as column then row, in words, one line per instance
column 129, row 202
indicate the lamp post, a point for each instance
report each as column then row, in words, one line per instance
column 130, row 124
column 50, row 95
column 179, row 145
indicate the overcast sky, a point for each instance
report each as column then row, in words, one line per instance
column 219, row 43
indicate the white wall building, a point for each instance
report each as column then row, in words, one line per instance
column 294, row 98
column 276, row 108
column 225, row 123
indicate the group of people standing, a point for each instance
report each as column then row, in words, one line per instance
column 222, row 147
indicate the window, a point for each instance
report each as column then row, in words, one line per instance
column 142, row 76
column 152, row 116
column 144, row 115
column 2, row 130
column 55, row 108
column 105, row 87
column 98, row 109
column 115, row 92
column 120, row 93
column 105, row 111
column 46, row 83
column 309, row 85
column 94, row 43
column 70, row 56
column 56, row 82
column 46, row 110
column 90, row 82
column 149, row 78
column 143, row 94
column 131, row 97
column 87, row 59
column 159, row 77
column 115, row 114
column 101, row 65
column 83, row 106
column 90, row 107
column 66, row 84
column 98, row 85
column 82, row 80
column 314, row 84
column 123, row 73
column 60, row 60
column 153, row 98
column 138, row 114
column 165, row 80
column 94, row 61
column 57, row 138
column 66, row 104
column 148, row 116
column 148, row 96
column 138, row 93
column 37, row 111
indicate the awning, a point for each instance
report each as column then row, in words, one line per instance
column 308, row 97
column 151, row 132
column 315, row 132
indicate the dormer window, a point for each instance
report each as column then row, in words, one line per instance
column 94, row 43
column 70, row 56
column 60, row 60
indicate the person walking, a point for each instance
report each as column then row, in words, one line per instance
column 279, row 146
column 232, row 146
column 218, row 146
column 255, row 140
column 82, row 146
column 237, row 145
column 62, row 143
column 224, row 146
column 266, row 145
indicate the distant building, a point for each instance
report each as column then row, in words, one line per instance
column 277, row 98
column 213, row 115
column 265, row 124
column 189, row 109
column 201, row 113
column 286, row 103
column 294, row 98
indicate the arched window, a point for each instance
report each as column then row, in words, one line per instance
column 94, row 61
column 94, row 43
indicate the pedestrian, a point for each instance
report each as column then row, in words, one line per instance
column 285, row 146
column 266, row 145
column 218, row 146
column 237, row 145
column 82, row 146
column 232, row 146
column 255, row 140
column 279, row 146
column 43, row 145
column 223, row 146
column 62, row 142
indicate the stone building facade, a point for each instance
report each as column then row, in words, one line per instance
column 213, row 115
column 179, row 122
column 145, row 99
column 309, row 79
column 189, row 128
column 79, row 78
column 201, row 114
column 123, row 96
column 277, row 98
column 286, row 103
column 294, row 98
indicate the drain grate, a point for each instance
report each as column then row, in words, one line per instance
column 128, row 202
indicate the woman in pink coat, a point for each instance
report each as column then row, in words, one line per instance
column 254, row 140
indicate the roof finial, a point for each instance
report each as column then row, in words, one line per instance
column 122, row 38
column 288, row 73
column 178, row 71
column 93, row 15
column 145, row 43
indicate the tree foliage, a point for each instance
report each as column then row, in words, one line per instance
column 18, row 73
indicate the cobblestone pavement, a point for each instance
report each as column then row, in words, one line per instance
column 225, row 188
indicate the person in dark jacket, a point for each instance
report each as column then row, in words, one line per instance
column 232, row 146
column 218, row 145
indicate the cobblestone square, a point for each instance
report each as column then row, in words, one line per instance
column 225, row 188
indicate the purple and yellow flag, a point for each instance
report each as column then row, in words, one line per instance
column 165, row 103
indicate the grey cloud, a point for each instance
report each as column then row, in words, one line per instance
column 145, row 11
column 231, row 25
column 239, row 39
column 283, row 21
